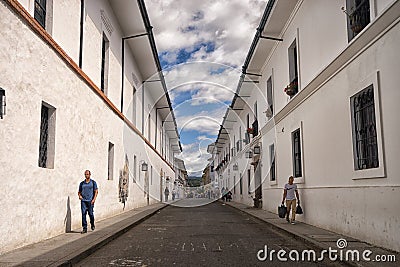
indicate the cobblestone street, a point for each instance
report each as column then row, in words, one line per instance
column 210, row 235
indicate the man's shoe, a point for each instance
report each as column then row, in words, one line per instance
column 293, row 222
column 84, row 231
column 93, row 227
column 287, row 219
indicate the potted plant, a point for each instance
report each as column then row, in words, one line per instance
column 250, row 130
column 291, row 89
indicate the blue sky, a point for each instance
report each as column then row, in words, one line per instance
column 202, row 46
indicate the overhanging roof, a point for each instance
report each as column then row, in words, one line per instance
column 134, row 20
column 273, row 21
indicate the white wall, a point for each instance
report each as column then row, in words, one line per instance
column 331, row 191
column 37, row 197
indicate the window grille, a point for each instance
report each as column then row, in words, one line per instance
column 44, row 134
column 364, row 130
column 296, row 153
column 40, row 12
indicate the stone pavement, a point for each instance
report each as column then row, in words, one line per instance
column 320, row 238
column 69, row 248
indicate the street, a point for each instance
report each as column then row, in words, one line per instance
column 210, row 235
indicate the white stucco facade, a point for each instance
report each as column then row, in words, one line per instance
column 38, row 69
column 331, row 70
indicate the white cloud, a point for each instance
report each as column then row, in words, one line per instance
column 229, row 24
column 216, row 32
column 195, row 157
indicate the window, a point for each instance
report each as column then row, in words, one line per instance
column 272, row 162
column 293, row 67
column 248, row 180
column 47, row 136
column 358, row 16
column 255, row 123
column 296, row 148
column 270, row 100
column 105, row 47
column 110, row 160
column 40, row 12
column 364, row 130
column 151, row 175
column 234, row 184
column 149, row 128
column 134, row 168
column 255, row 111
column 241, row 184
column 134, row 106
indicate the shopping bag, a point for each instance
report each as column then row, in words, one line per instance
column 299, row 210
column 282, row 211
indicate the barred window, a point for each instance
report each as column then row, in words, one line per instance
column 272, row 161
column 358, row 16
column 40, row 12
column 364, row 130
column 105, row 46
column 47, row 136
column 241, row 184
column 296, row 148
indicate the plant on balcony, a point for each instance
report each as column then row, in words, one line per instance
column 250, row 130
column 292, row 88
column 359, row 16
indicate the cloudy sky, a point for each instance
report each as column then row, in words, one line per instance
column 202, row 46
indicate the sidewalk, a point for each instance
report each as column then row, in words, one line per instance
column 69, row 248
column 317, row 237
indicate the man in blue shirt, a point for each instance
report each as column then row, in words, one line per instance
column 87, row 194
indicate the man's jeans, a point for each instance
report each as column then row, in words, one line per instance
column 291, row 205
column 87, row 207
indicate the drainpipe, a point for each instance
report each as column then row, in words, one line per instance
column 81, row 33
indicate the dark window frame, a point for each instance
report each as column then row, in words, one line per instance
column 297, row 154
column 105, row 47
column 40, row 12
column 44, row 136
column 248, row 181
column 358, row 16
column 364, row 128
column 272, row 162
column 241, row 184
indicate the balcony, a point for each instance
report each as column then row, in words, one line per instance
column 358, row 17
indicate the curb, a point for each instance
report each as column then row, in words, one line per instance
column 80, row 255
column 303, row 238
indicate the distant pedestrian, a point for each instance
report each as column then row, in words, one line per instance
column 290, row 193
column 223, row 194
column 229, row 196
column 166, row 193
column 87, row 193
column 173, row 194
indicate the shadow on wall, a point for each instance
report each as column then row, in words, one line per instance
column 68, row 217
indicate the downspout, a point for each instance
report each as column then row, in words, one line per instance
column 81, row 33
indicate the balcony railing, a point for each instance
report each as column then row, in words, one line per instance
column 359, row 16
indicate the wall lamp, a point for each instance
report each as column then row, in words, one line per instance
column 145, row 166
column 2, row 102
column 257, row 150
column 235, row 167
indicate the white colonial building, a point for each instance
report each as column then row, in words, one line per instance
column 83, row 90
column 318, row 99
